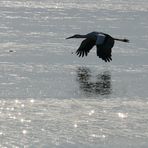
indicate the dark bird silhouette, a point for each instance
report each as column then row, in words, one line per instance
column 103, row 42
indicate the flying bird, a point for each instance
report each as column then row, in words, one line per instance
column 104, row 43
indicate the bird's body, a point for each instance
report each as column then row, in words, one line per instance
column 103, row 42
column 100, row 39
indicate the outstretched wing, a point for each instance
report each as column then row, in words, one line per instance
column 104, row 53
column 104, row 50
column 85, row 47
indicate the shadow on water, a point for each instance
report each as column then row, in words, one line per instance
column 94, row 85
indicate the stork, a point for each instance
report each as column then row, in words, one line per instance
column 104, row 43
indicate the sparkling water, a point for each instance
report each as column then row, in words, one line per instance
column 49, row 97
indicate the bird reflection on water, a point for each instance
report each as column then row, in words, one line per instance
column 100, row 86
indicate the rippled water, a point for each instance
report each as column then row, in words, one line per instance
column 49, row 97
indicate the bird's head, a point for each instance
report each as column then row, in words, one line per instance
column 76, row 36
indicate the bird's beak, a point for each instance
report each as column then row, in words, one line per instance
column 70, row 37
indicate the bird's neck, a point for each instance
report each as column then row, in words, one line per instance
column 81, row 36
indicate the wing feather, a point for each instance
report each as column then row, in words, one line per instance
column 85, row 47
column 104, row 53
column 104, row 50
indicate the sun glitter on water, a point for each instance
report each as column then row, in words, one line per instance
column 122, row 115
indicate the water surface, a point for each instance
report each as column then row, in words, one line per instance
column 49, row 97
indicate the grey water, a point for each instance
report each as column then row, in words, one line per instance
column 49, row 97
